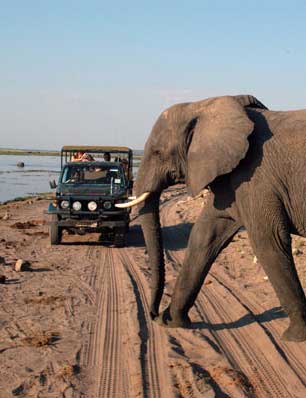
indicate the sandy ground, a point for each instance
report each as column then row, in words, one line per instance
column 77, row 324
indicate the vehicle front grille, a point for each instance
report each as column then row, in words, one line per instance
column 84, row 203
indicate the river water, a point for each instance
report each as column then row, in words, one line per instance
column 32, row 179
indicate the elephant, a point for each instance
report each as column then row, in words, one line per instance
column 254, row 162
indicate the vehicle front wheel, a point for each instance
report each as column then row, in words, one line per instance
column 56, row 233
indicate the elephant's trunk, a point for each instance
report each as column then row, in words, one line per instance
column 150, row 223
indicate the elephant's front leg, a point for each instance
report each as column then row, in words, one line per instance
column 210, row 234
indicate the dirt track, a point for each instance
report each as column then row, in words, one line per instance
column 78, row 325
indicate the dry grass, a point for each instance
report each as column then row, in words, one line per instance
column 67, row 371
column 47, row 300
column 23, row 225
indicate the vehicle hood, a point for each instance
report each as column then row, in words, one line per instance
column 89, row 190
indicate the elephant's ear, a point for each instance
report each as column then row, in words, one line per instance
column 219, row 142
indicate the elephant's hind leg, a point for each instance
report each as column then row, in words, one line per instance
column 211, row 233
column 271, row 242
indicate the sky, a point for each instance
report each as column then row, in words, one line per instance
column 100, row 72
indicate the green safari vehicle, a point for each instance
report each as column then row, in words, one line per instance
column 92, row 180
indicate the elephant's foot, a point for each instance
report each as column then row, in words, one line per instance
column 154, row 309
column 295, row 332
column 153, row 315
column 171, row 321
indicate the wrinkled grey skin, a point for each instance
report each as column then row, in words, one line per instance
column 254, row 161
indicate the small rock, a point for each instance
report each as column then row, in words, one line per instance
column 22, row 265
column 6, row 216
column 42, row 379
column 18, row 390
column 30, row 370
column 2, row 279
column 255, row 261
column 20, row 164
column 265, row 278
column 69, row 392
column 297, row 251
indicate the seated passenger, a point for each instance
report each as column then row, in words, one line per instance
column 107, row 157
column 77, row 157
column 87, row 157
column 76, row 175
column 82, row 156
column 125, row 165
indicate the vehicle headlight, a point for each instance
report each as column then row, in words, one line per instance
column 77, row 206
column 107, row 205
column 92, row 206
column 64, row 204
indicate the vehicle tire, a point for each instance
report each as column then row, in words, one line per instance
column 119, row 239
column 56, row 233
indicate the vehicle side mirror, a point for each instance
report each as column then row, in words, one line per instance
column 52, row 184
column 130, row 184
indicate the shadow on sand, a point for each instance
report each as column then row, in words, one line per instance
column 266, row 316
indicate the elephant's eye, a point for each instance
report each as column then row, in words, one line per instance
column 157, row 152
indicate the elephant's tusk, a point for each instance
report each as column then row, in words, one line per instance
column 134, row 202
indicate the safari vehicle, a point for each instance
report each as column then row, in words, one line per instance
column 88, row 190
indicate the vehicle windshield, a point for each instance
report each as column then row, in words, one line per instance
column 93, row 174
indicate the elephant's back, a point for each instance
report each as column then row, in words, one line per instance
column 277, row 163
column 279, row 122
column 277, row 152
column 278, row 138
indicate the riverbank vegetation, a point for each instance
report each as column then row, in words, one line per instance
column 25, row 152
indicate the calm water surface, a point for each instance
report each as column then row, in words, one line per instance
column 32, row 179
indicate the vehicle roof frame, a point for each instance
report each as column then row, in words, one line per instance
column 70, row 149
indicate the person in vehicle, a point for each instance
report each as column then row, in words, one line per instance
column 87, row 157
column 76, row 157
column 82, row 157
column 107, row 157
column 125, row 165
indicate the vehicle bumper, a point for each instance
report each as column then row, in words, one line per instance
column 92, row 214
column 91, row 220
column 89, row 224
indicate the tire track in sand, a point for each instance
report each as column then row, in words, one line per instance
column 89, row 287
column 292, row 352
column 107, row 354
column 247, row 347
column 155, row 378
